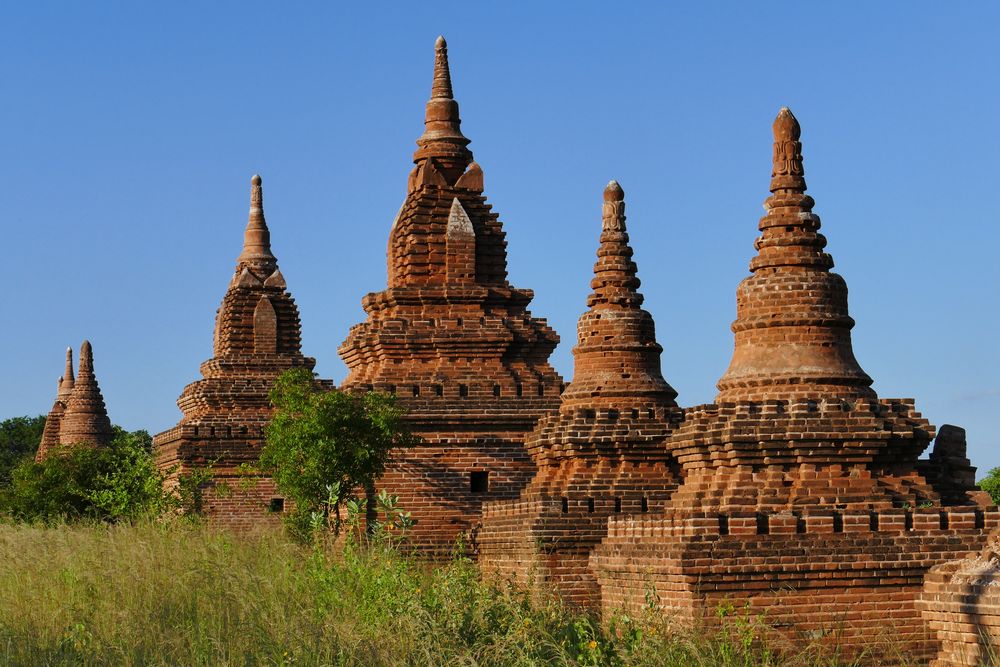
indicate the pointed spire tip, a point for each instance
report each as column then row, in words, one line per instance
column 440, row 42
column 255, row 179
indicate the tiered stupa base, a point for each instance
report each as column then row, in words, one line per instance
column 810, row 512
column 610, row 464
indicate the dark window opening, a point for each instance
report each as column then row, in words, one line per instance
column 590, row 504
column 565, row 505
column 276, row 505
column 723, row 524
column 618, row 505
column 439, row 390
column 541, row 389
column 496, row 390
column 463, row 390
column 479, row 481
column 459, row 321
column 645, row 504
column 416, row 390
column 520, row 389
column 838, row 522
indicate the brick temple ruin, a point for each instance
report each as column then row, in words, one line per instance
column 257, row 338
column 799, row 492
column 78, row 415
column 452, row 339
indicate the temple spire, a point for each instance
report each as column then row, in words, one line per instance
column 615, row 281
column 257, row 237
column 441, row 88
column 66, row 381
column 790, row 230
column 442, row 139
column 86, row 418
column 792, row 328
column 616, row 362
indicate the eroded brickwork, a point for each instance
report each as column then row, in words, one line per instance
column 64, row 389
column 452, row 339
column 961, row 605
column 257, row 337
column 604, row 451
column 78, row 415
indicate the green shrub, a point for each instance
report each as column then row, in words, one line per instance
column 323, row 445
column 991, row 484
column 19, row 439
column 114, row 483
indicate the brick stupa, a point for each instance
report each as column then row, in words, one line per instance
column 802, row 493
column 257, row 337
column 604, row 452
column 79, row 415
column 452, row 339
column 64, row 389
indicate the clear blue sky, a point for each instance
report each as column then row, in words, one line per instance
column 129, row 132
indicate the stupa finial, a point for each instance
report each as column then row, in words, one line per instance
column 442, row 139
column 257, row 237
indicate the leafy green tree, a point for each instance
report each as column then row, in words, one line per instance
column 991, row 484
column 19, row 438
column 115, row 483
column 324, row 445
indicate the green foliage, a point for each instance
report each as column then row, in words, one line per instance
column 991, row 484
column 115, row 483
column 182, row 594
column 189, row 494
column 19, row 438
column 323, row 445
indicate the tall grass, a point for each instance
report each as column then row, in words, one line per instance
column 181, row 594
